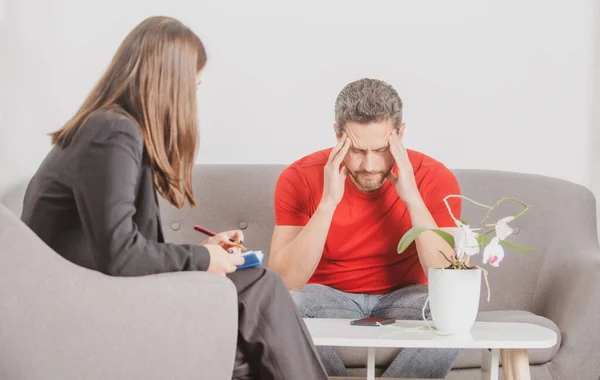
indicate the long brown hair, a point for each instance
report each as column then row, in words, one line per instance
column 152, row 77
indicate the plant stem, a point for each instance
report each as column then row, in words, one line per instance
column 458, row 222
column 490, row 208
column 502, row 200
column 445, row 257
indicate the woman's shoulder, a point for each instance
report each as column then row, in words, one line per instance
column 114, row 120
column 113, row 124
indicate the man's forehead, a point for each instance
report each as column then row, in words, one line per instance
column 383, row 145
column 369, row 134
column 373, row 141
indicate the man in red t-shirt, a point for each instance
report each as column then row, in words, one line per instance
column 340, row 213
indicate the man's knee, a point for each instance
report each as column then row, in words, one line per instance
column 310, row 298
column 320, row 301
column 272, row 281
column 271, row 276
column 411, row 296
column 404, row 303
column 416, row 297
column 259, row 278
column 302, row 301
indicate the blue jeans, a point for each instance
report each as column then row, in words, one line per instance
column 320, row 301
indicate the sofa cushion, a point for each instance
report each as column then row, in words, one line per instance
column 356, row 357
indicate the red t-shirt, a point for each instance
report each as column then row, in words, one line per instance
column 360, row 253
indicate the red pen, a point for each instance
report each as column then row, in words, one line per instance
column 204, row 230
column 210, row 233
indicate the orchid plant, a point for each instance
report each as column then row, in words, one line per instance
column 467, row 241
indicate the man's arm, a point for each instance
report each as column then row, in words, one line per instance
column 429, row 244
column 296, row 251
column 430, row 214
column 298, row 239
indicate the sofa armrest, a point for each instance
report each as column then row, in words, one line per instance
column 65, row 322
column 569, row 292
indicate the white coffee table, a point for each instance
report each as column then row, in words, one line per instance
column 496, row 339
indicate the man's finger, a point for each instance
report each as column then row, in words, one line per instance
column 398, row 141
column 394, row 148
column 398, row 150
column 341, row 154
column 394, row 139
column 337, row 148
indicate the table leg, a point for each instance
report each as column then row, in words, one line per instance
column 515, row 364
column 489, row 364
column 506, row 365
column 371, row 363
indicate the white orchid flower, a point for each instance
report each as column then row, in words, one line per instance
column 465, row 241
column 493, row 252
column 502, row 228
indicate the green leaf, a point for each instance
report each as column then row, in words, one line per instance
column 412, row 234
column 484, row 240
column 463, row 222
column 446, row 236
column 488, row 232
column 516, row 247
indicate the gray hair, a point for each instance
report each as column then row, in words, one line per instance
column 368, row 101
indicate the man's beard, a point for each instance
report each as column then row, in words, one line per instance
column 369, row 181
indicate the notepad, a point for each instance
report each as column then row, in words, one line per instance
column 252, row 259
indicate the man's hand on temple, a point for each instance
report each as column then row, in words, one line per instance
column 404, row 182
column 333, row 187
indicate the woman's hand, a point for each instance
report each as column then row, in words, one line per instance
column 228, row 240
column 221, row 261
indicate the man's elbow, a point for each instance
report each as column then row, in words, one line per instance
column 273, row 265
column 285, row 275
column 292, row 285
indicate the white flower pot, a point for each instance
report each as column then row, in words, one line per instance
column 454, row 298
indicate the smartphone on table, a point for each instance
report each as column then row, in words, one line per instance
column 372, row 321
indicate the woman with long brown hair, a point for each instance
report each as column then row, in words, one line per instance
column 94, row 197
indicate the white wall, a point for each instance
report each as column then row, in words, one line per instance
column 595, row 108
column 486, row 84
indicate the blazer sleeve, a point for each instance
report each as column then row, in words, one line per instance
column 105, row 194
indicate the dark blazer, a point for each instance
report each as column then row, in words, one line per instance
column 94, row 203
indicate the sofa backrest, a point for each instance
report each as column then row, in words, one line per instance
column 562, row 218
column 229, row 197
column 241, row 196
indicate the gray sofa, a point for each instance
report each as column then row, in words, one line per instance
column 94, row 320
column 558, row 286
